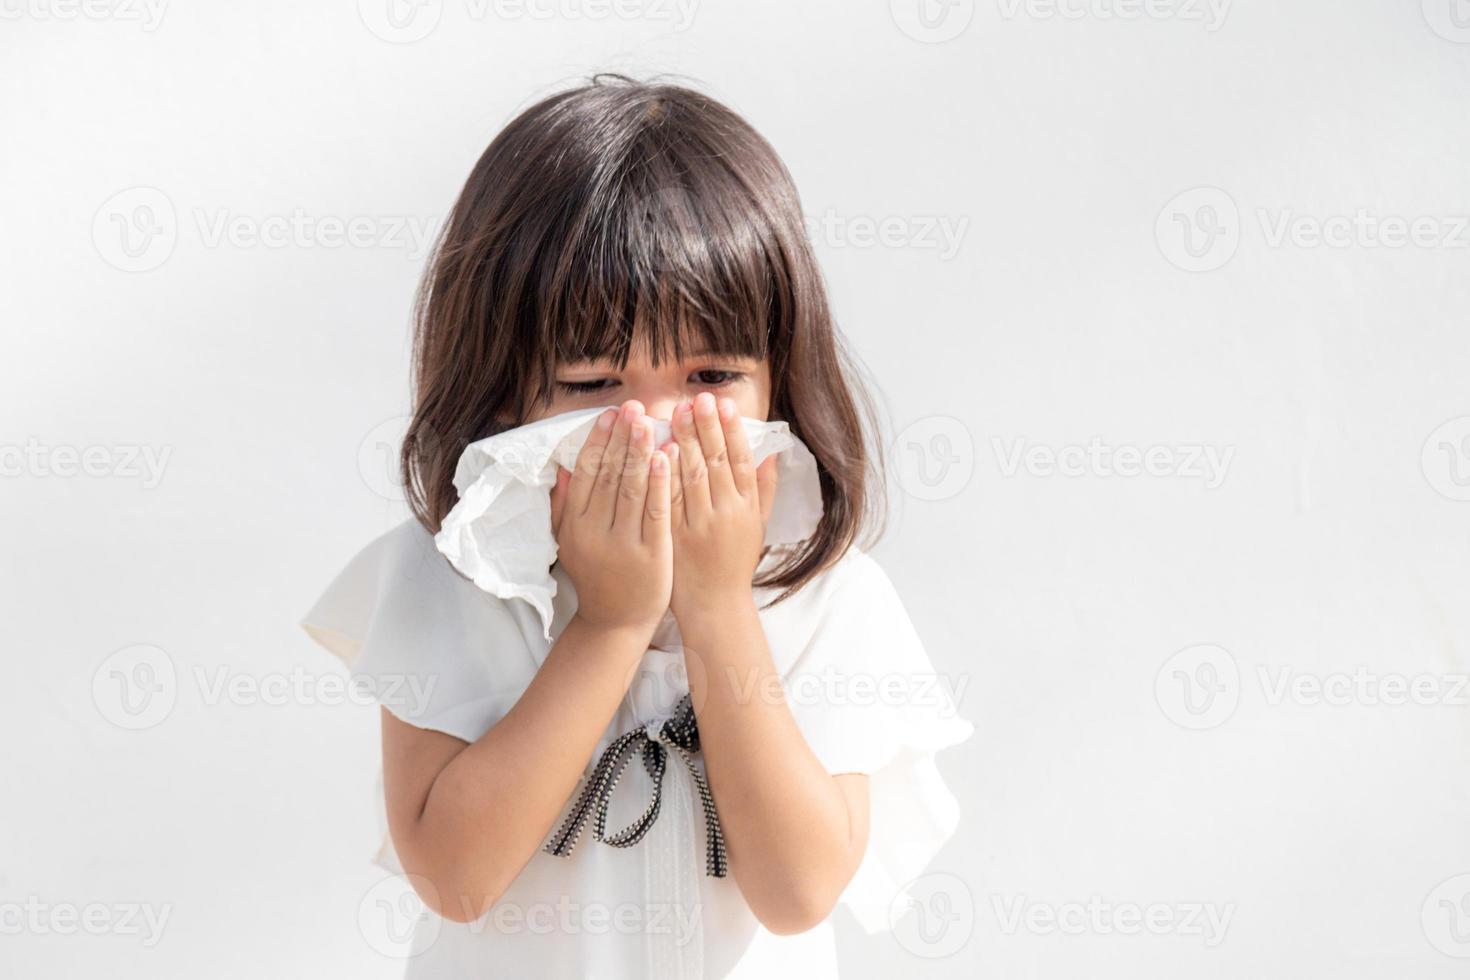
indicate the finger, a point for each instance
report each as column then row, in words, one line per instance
column 676, row 486
column 589, row 459
column 737, row 448
column 633, row 488
column 766, row 479
column 604, row 500
column 712, row 440
column 657, row 509
column 692, row 470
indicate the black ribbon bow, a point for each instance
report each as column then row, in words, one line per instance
column 680, row 733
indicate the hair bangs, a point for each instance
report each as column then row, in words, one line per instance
column 674, row 253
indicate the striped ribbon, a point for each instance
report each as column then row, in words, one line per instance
column 680, row 734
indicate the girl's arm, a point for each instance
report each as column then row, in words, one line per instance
column 795, row 833
column 468, row 817
column 465, row 818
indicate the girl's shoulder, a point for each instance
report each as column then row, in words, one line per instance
column 398, row 576
column 425, row 641
column 853, row 582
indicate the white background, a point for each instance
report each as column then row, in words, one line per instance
column 1104, row 770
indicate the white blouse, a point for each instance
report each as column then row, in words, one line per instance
column 444, row 655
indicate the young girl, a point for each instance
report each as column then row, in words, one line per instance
column 640, row 247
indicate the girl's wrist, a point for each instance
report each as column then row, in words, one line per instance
column 635, row 637
column 712, row 611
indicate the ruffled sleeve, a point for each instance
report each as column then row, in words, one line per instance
column 422, row 640
column 868, row 700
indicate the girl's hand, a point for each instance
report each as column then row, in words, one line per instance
column 721, row 503
column 611, row 521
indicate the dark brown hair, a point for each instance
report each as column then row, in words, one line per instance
column 617, row 208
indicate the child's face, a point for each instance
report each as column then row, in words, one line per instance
column 594, row 384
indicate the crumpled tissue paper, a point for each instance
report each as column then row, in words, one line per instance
column 499, row 533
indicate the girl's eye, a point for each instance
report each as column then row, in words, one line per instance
column 721, row 378
column 581, row 387
column 710, row 377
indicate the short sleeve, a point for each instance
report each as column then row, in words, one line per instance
column 868, row 700
column 420, row 639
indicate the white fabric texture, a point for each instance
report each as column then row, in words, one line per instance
column 499, row 533
column 444, row 655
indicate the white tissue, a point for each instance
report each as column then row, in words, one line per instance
column 499, row 533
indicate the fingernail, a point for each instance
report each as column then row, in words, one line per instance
column 660, row 463
column 706, row 403
column 727, row 408
column 605, row 420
